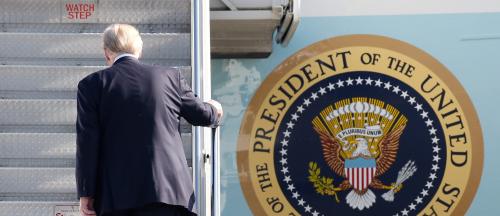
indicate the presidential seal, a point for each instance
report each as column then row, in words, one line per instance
column 360, row 125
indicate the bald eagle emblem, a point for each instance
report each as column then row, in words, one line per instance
column 360, row 140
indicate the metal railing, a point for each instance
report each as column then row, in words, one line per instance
column 203, row 180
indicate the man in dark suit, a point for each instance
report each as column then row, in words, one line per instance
column 130, row 159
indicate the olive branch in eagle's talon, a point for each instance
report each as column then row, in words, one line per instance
column 322, row 184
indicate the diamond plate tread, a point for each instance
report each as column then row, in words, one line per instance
column 37, row 112
column 105, row 11
column 46, row 197
column 15, row 180
column 29, row 149
column 89, row 28
column 53, row 47
column 50, row 78
column 37, row 129
column 43, row 78
column 37, row 145
column 37, row 162
column 44, row 112
column 31, row 208
column 37, row 95
column 85, row 62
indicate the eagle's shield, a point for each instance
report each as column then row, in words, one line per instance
column 360, row 172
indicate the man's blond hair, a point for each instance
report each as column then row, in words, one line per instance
column 122, row 38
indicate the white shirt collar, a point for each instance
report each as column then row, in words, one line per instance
column 123, row 55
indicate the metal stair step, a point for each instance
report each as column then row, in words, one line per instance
column 20, row 208
column 40, row 183
column 86, row 48
column 37, row 129
column 47, row 82
column 50, row 78
column 37, row 149
column 89, row 28
column 50, row 149
column 106, row 11
column 43, row 78
column 37, row 162
column 37, row 112
column 37, row 145
column 18, row 180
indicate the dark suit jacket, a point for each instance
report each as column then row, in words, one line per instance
column 129, row 148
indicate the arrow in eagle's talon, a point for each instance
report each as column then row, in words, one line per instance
column 397, row 188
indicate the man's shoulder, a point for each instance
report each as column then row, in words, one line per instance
column 92, row 78
column 166, row 72
column 165, row 69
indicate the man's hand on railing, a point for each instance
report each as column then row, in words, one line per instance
column 220, row 112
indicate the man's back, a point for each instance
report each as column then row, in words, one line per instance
column 128, row 136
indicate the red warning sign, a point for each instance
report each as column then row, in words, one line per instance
column 79, row 10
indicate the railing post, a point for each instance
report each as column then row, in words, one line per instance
column 216, row 172
column 202, row 142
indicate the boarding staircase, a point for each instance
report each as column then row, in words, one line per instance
column 44, row 52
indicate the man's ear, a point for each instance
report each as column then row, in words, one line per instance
column 106, row 54
column 109, row 56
